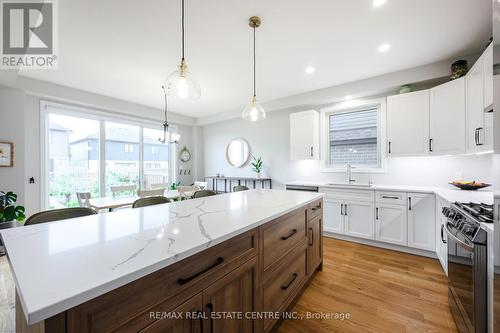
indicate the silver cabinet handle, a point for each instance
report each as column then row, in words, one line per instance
column 389, row 147
column 342, row 209
column 409, row 203
column 376, row 213
column 389, row 197
column 479, row 130
column 345, row 210
column 312, row 151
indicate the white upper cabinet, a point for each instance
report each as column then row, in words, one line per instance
column 408, row 124
column 488, row 77
column 304, row 135
column 421, row 221
column 447, row 118
column 479, row 90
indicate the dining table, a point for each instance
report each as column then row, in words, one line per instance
column 111, row 203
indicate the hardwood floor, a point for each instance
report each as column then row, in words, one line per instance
column 7, row 297
column 382, row 290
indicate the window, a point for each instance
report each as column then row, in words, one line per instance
column 73, row 159
column 74, row 138
column 352, row 135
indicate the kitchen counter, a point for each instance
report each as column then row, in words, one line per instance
column 62, row 264
column 450, row 194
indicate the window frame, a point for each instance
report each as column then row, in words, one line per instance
column 47, row 107
column 347, row 107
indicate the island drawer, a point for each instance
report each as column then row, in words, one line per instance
column 314, row 209
column 281, row 286
column 126, row 309
column 280, row 236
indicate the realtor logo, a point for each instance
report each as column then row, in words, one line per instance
column 28, row 34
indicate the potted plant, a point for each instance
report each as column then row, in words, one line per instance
column 9, row 213
column 257, row 165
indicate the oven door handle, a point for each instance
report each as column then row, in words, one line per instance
column 467, row 246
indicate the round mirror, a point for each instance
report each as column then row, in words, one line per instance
column 237, row 152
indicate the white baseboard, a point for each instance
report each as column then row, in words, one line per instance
column 394, row 247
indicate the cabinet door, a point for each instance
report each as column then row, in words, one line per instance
column 190, row 319
column 408, row 124
column 447, row 118
column 304, row 135
column 421, row 221
column 391, row 224
column 488, row 76
column 315, row 244
column 475, row 105
column 359, row 219
column 235, row 292
column 333, row 215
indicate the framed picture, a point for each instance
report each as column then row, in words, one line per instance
column 6, row 154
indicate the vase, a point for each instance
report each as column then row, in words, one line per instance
column 258, row 175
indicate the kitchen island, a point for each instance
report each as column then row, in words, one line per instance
column 246, row 253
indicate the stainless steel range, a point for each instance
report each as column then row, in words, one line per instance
column 467, row 264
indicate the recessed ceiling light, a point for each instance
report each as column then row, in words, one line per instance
column 384, row 47
column 378, row 3
column 310, row 69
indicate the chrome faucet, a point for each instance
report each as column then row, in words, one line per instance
column 349, row 173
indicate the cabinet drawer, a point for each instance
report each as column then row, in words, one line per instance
column 283, row 283
column 170, row 286
column 348, row 194
column 395, row 198
column 282, row 235
column 314, row 209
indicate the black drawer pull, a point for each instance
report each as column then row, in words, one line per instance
column 289, row 235
column 389, row 197
column 311, row 232
column 318, row 206
column 182, row 281
column 294, row 276
column 210, row 308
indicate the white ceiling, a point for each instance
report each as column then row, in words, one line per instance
column 125, row 49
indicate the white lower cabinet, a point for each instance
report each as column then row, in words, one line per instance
column 359, row 219
column 399, row 218
column 391, row 223
column 333, row 210
column 421, row 221
column 441, row 236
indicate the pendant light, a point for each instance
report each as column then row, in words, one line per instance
column 181, row 83
column 254, row 111
column 168, row 135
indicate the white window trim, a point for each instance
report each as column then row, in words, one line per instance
column 350, row 106
column 102, row 117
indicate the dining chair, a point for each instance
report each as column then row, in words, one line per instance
column 150, row 193
column 186, row 192
column 83, row 199
column 150, row 201
column 59, row 214
column 239, row 188
column 201, row 185
column 203, row 193
column 159, row 186
column 117, row 189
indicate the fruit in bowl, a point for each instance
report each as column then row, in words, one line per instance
column 469, row 185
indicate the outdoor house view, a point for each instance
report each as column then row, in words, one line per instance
column 75, row 159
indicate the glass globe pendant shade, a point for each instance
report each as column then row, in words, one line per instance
column 182, row 84
column 254, row 111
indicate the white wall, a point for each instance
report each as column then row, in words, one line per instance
column 12, row 130
column 270, row 139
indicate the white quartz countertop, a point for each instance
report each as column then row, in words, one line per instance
column 450, row 193
column 62, row 264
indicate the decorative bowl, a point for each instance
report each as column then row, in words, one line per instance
column 469, row 186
